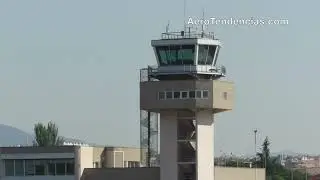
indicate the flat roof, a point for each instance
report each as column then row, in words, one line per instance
column 53, row 149
column 37, row 149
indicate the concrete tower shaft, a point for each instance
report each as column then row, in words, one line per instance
column 187, row 92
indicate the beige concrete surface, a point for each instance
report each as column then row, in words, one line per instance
column 220, row 98
column 221, row 173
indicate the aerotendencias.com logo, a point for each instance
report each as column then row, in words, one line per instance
column 237, row 22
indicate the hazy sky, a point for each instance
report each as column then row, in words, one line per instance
column 77, row 62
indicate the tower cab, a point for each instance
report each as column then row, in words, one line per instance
column 186, row 55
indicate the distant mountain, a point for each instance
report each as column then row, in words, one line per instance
column 11, row 136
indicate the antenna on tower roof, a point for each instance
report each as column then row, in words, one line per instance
column 202, row 25
column 184, row 14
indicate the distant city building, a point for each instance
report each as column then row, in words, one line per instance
column 310, row 162
column 74, row 144
column 314, row 173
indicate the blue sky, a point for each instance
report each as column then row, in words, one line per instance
column 77, row 63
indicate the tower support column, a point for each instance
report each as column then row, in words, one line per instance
column 168, row 146
column 205, row 145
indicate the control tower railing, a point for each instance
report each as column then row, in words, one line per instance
column 186, row 35
column 187, row 69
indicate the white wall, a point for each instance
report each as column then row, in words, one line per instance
column 232, row 173
column 86, row 158
column 205, row 143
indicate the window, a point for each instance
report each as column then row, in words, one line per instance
column 95, row 164
column 161, row 95
column 51, row 167
column 40, row 167
column 176, row 55
column 169, row 95
column 70, row 167
column 225, row 95
column 206, row 54
column 29, row 168
column 205, row 94
column 176, row 94
column 192, row 94
column 34, row 167
column 19, row 167
column 184, row 94
column 9, row 167
column 60, row 167
column 133, row 164
column 198, row 94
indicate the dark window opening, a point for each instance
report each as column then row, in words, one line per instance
column 184, row 94
column 175, row 55
column 206, row 54
column 9, row 167
column 29, row 168
column 198, row 94
column 192, row 94
column 161, row 95
column 133, row 164
column 70, row 167
column 40, row 167
column 51, row 167
column 60, row 168
column 19, row 167
column 225, row 95
column 168, row 95
column 176, row 94
column 205, row 94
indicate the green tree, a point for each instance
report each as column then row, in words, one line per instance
column 274, row 170
column 264, row 158
column 47, row 135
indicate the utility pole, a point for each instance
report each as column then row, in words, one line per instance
column 306, row 174
column 255, row 155
column 265, row 162
column 237, row 162
column 225, row 159
column 149, row 129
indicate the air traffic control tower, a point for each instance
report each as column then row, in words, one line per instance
column 187, row 91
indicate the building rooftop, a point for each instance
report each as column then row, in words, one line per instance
column 36, row 149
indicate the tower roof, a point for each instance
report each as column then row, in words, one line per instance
column 187, row 35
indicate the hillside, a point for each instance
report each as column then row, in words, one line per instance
column 11, row 136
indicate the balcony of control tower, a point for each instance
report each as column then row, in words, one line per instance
column 186, row 55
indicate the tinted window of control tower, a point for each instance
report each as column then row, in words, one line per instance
column 206, row 54
column 176, row 55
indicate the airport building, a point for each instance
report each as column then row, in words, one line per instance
column 62, row 162
column 91, row 163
